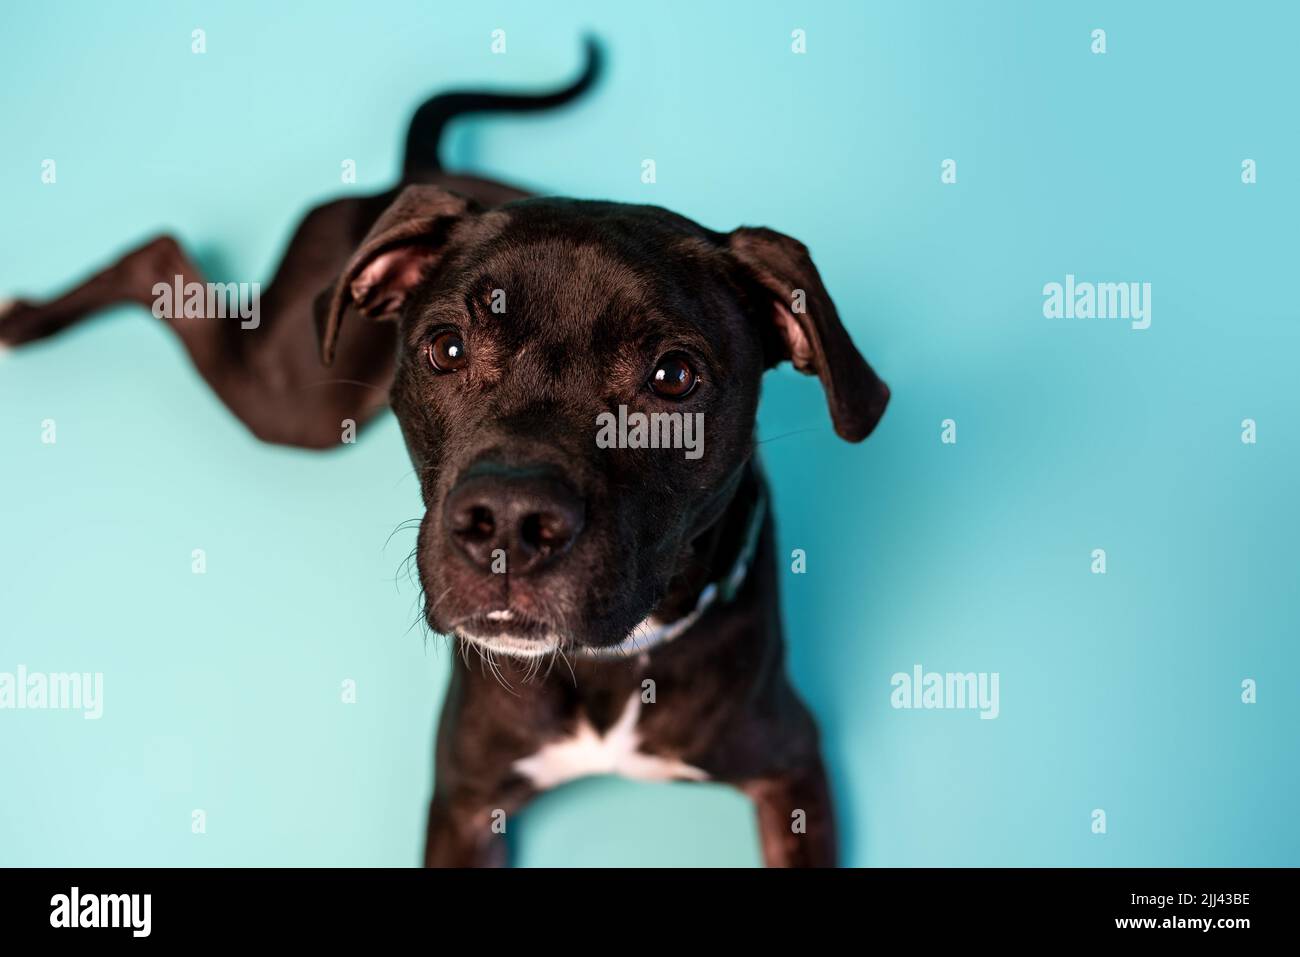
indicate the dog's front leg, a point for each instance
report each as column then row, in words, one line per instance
column 461, row 834
column 795, row 820
column 467, row 831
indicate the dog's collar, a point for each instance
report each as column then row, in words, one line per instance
column 651, row 633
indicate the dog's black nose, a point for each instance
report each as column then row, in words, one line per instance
column 513, row 521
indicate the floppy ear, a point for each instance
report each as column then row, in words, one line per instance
column 401, row 247
column 808, row 329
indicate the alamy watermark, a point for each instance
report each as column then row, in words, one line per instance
column 933, row 690
column 209, row 300
column 74, row 909
column 1100, row 300
column 55, row 691
column 654, row 430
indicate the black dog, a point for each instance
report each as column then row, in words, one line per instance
column 504, row 330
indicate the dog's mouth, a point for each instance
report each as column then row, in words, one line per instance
column 509, row 632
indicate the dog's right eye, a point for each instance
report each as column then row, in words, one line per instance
column 446, row 351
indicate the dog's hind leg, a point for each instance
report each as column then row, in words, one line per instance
column 267, row 372
column 130, row 279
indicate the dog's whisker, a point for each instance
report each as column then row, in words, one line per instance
column 406, row 567
column 445, row 593
column 405, row 475
column 556, row 652
column 403, row 526
column 490, row 659
column 559, row 647
column 418, row 607
column 784, row 435
column 496, row 669
column 422, row 615
column 321, row 382
column 412, row 563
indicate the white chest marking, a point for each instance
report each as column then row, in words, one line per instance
column 614, row 752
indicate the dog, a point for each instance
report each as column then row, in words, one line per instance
column 501, row 327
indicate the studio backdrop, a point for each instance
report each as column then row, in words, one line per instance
column 1064, row 234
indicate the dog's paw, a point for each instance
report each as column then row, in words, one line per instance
column 15, row 324
column 6, row 306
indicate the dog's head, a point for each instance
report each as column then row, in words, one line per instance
column 545, row 346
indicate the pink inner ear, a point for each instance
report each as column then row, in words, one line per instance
column 382, row 286
column 796, row 340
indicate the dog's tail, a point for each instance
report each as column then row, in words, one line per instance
column 425, row 134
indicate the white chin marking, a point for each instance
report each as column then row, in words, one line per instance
column 514, row 647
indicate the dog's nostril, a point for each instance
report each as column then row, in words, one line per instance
column 473, row 523
column 545, row 532
column 481, row 523
column 531, row 530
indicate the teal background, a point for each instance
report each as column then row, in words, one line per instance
column 1120, row 692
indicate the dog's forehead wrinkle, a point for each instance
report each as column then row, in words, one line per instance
column 570, row 275
column 600, row 287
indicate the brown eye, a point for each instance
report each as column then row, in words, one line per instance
column 673, row 377
column 446, row 351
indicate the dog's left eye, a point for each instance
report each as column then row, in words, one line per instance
column 446, row 351
column 674, row 377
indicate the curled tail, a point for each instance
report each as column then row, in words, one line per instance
column 425, row 133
